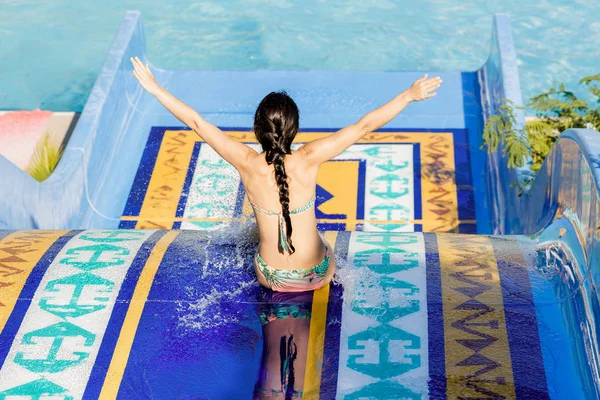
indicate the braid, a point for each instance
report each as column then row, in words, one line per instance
column 284, row 195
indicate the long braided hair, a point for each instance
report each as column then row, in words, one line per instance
column 275, row 126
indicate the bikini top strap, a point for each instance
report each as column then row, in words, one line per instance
column 294, row 211
column 304, row 207
column 282, row 226
column 262, row 210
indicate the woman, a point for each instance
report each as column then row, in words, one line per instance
column 280, row 183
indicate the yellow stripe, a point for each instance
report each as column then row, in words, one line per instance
column 439, row 198
column 166, row 182
column 468, row 263
column 132, row 319
column 316, row 336
column 19, row 252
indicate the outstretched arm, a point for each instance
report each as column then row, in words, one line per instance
column 231, row 150
column 321, row 150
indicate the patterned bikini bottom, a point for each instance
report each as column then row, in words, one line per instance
column 295, row 280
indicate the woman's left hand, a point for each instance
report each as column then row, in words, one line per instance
column 144, row 76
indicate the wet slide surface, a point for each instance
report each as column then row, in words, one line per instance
column 161, row 314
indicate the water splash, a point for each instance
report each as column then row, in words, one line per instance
column 219, row 305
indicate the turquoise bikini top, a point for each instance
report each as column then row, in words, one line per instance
column 282, row 227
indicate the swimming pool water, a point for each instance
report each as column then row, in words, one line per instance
column 51, row 52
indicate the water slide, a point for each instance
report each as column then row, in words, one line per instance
column 128, row 273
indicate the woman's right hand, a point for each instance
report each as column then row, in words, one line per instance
column 423, row 88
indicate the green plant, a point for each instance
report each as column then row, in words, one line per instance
column 556, row 111
column 501, row 129
column 45, row 158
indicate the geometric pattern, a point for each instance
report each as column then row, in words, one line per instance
column 92, row 314
column 383, row 344
column 476, row 339
column 70, row 309
column 391, row 181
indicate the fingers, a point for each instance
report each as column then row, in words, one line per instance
column 424, row 79
column 434, row 81
column 431, row 85
column 140, row 66
column 134, row 62
column 421, row 79
column 428, row 84
column 430, row 95
column 143, row 70
column 138, row 75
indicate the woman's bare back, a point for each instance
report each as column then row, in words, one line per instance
column 261, row 188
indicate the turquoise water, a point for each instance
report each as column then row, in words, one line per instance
column 51, row 52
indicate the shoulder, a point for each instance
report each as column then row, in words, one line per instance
column 297, row 160
column 248, row 160
column 301, row 167
column 307, row 156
